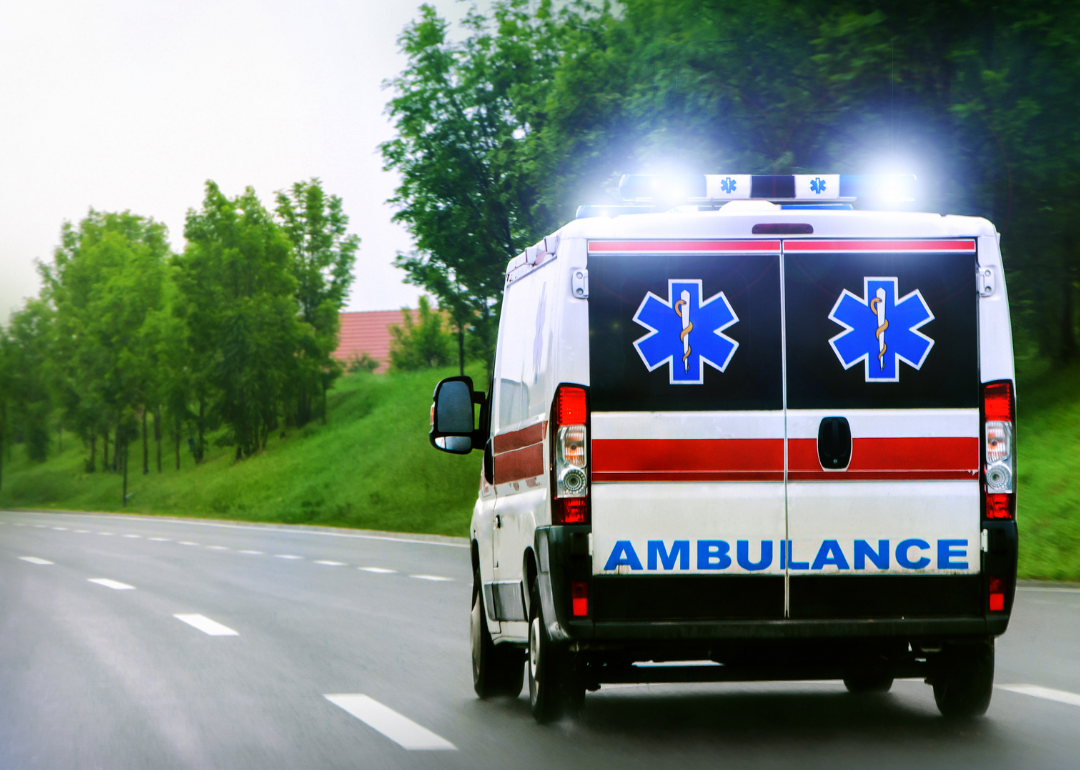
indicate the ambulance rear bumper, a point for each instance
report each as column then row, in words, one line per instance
column 910, row 628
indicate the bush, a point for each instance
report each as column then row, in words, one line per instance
column 420, row 344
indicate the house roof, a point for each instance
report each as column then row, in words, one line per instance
column 368, row 332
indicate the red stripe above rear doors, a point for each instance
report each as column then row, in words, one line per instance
column 954, row 245
column 683, row 247
column 688, row 460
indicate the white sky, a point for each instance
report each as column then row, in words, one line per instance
column 130, row 104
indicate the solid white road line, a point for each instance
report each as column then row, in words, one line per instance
column 114, row 584
column 398, row 728
column 436, row 578
column 207, row 626
column 1061, row 696
column 331, row 563
column 379, row 570
column 35, row 560
column 287, row 556
column 253, row 553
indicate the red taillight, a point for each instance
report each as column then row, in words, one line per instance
column 579, row 596
column 997, row 595
column 998, row 401
column 570, row 406
column 570, row 456
column 1000, row 506
column 999, row 450
column 570, row 510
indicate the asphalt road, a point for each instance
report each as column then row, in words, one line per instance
column 139, row 642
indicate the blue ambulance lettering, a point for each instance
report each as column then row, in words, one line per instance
column 755, row 556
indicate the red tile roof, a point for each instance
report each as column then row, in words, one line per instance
column 368, row 332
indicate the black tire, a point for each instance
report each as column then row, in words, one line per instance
column 865, row 683
column 498, row 669
column 554, row 688
column 964, row 679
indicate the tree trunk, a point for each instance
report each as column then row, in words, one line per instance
column 91, row 466
column 105, row 453
column 157, row 436
column 1068, row 330
column 145, row 447
column 124, row 462
column 199, row 443
column 117, row 464
column 461, row 348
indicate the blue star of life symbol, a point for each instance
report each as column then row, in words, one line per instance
column 881, row 330
column 727, row 184
column 817, row 184
column 685, row 332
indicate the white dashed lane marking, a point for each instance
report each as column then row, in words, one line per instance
column 287, row 556
column 83, row 531
column 116, row 585
column 107, row 534
column 398, row 728
column 379, row 570
column 1046, row 693
column 60, row 529
column 331, row 563
column 187, row 542
column 133, row 536
column 252, row 553
column 35, row 560
column 159, row 539
column 436, row 578
column 217, row 547
column 207, row 626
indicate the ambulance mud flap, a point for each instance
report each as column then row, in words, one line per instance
column 563, row 557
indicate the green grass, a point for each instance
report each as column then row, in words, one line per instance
column 370, row 467
column 1048, row 472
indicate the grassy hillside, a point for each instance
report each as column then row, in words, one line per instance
column 1048, row 467
column 370, row 467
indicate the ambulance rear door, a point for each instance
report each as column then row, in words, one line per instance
column 881, row 344
column 687, row 430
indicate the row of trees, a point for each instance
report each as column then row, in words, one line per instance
column 234, row 335
column 539, row 107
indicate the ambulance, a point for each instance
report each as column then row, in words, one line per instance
column 764, row 434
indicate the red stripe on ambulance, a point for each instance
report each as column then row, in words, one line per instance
column 954, row 457
column 688, row 460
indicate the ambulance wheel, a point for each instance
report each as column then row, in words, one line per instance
column 872, row 682
column 497, row 669
column 554, row 688
column 964, row 680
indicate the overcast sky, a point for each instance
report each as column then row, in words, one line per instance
column 130, row 104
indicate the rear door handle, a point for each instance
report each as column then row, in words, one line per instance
column 834, row 443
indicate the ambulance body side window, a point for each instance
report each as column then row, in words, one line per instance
column 521, row 351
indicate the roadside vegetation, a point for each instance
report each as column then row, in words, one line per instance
column 370, row 467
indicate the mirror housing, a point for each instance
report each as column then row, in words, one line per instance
column 453, row 415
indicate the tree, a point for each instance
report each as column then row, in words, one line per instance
column 323, row 257
column 420, row 344
column 236, row 301
column 106, row 281
column 28, row 362
column 470, row 194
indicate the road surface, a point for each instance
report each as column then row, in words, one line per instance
column 142, row 642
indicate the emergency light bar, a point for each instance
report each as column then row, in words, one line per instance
column 708, row 188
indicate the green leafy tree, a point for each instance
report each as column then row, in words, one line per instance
column 421, row 343
column 29, row 369
column 236, row 300
column 323, row 257
column 469, row 191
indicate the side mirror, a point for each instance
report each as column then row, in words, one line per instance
column 453, row 416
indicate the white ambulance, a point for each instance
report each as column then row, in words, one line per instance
column 763, row 435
